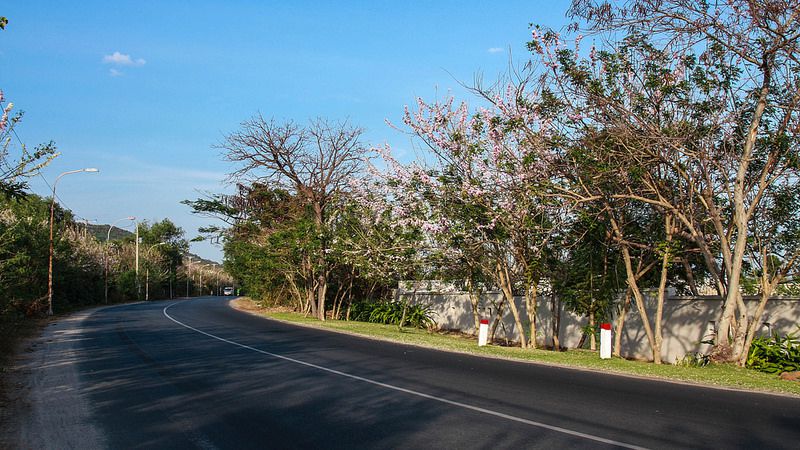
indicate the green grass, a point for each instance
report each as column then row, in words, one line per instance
column 721, row 375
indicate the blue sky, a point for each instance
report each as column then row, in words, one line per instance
column 143, row 90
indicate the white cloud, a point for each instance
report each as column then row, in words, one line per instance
column 495, row 50
column 121, row 59
column 115, row 73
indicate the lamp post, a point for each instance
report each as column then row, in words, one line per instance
column 138, row 285
column 108, row 237
column 52, row 214
column 187, row 275
column 201, row 277
column 147, row 272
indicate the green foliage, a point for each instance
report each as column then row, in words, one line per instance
column 273, row 245
column 589, row 276
column 125, row 284
column 775, row 354
column 24, row 254
column 391, row 312
column 695, row 359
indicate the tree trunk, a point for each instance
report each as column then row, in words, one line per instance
column 474, row 300
column 662, row 287
column 505, row 284
column 690, row 276
column 741, row 215
column 338, row 299
column 633, row 284
column 531, row 296
column 753, row 328
column 322, row 291
column 740, row 326
column 498, row 318
column 637, row 296
column 626, row 303
column 555, row 308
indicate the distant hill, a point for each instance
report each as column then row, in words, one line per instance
column 100, row 231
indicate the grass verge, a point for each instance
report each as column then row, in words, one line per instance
column 718, row 375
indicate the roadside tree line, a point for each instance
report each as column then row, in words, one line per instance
column 647, row 147
column 88, row 267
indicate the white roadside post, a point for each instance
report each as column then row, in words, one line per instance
column 605, row 341
column 483, row 332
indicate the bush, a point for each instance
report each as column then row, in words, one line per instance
column 695, row 359
column 391, row 312
column 775, row 355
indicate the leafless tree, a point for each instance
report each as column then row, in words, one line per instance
column 315, row 163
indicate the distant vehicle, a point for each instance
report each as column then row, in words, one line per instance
column 228, row 290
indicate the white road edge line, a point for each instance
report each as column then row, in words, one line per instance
column 409, row 391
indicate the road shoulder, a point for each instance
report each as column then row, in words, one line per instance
column 46, row 406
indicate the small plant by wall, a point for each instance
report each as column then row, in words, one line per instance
column 391, row 312
column 775, row 354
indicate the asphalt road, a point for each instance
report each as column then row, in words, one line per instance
column 199, row 374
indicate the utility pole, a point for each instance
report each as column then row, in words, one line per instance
column 52, row 220
column 138, row 285
column 187, row 275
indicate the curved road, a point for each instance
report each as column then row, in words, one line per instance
column 199, row 374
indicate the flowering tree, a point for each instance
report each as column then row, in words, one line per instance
column 487, row 197
column 18, row 164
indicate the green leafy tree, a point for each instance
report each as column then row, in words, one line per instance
column 715, row 103
column 314, row 165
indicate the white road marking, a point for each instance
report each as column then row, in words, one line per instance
column 409, row 391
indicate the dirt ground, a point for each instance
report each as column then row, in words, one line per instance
column 33, row 401
column 16, row 340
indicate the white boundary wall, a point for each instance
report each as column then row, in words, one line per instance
column 687, row 320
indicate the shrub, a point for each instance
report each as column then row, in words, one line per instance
column 775, row 354
column 391, row 312
column 695, row 359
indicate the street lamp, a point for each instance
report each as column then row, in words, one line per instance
column 186, row 268
column 138, row 285
column 147, row 272
column 108, row 237
column 52, row 214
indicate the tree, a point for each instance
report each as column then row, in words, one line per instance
column 488, row 194
column 587, row 274
column 269, row 242
column 371, row 244
column 162, row 248
column 15, row 170
column 313, row 163
column 742, row 59
column 24, row 238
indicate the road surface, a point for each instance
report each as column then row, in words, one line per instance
column 199, row 374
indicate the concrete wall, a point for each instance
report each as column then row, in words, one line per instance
column 687, row 321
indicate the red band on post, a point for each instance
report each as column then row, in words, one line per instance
column 484, row 321
column 605, row 326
